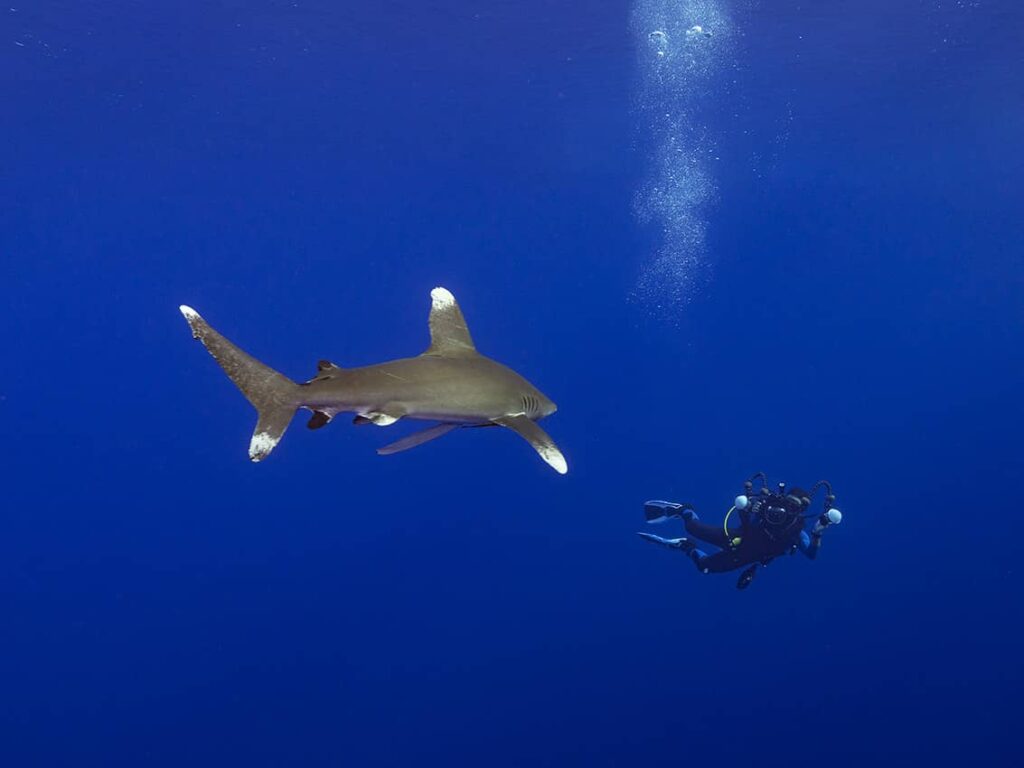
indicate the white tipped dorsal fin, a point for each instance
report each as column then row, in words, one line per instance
column 449, row 335
column 194, row 319
column 189, row 313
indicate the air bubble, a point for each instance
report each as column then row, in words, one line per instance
column 674, row 93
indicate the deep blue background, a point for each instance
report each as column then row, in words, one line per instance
column 303, row 174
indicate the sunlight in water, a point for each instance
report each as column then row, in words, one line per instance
column 682, row 44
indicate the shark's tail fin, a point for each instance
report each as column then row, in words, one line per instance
column 274, row 396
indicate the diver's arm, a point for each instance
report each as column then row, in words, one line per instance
column 744, row 513
column 810, row 543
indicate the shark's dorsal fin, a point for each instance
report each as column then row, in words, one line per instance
column 449, row 335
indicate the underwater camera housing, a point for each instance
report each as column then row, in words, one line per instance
column 779, row 512
column 780, row 509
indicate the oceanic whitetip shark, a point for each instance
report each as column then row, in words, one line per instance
column 451, row 383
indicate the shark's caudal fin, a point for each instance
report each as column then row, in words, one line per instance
column 274, row 396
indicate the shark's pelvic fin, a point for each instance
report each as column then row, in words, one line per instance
column 449, row 334
column 417, row 438
column 319, row 419
column 386, row 416
column 274, row 396
column 538, row 438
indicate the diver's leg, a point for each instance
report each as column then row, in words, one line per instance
column 712, row 534
column 660, row 511
column 719, row 562
column 670, row 543
column 686, row 546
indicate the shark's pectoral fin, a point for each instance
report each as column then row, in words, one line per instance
column 386, row 416
column 417, row 438
column 538, row 438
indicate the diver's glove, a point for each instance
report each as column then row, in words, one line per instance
column 659, row 511
column 831, row 517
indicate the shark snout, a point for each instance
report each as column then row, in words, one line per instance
column 544, row 407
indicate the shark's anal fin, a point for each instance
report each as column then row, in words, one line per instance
column 449, row 335
column 538, row 438
column 417, row 438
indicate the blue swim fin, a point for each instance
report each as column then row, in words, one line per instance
column 659, row 511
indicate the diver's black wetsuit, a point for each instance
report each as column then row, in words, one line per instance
column 759, row 542
column 770, row 524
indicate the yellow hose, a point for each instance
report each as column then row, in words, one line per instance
column 725, row 523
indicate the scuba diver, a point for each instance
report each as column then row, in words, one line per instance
column 772, row 523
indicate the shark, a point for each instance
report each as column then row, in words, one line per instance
column 450, row 384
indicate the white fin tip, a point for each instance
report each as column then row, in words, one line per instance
column 442, row 297
column 261, row 445
column 189, row 313
column 554, row 457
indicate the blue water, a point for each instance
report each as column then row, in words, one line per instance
column 839, row 295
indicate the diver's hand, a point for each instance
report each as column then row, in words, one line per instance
column 831, row 517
